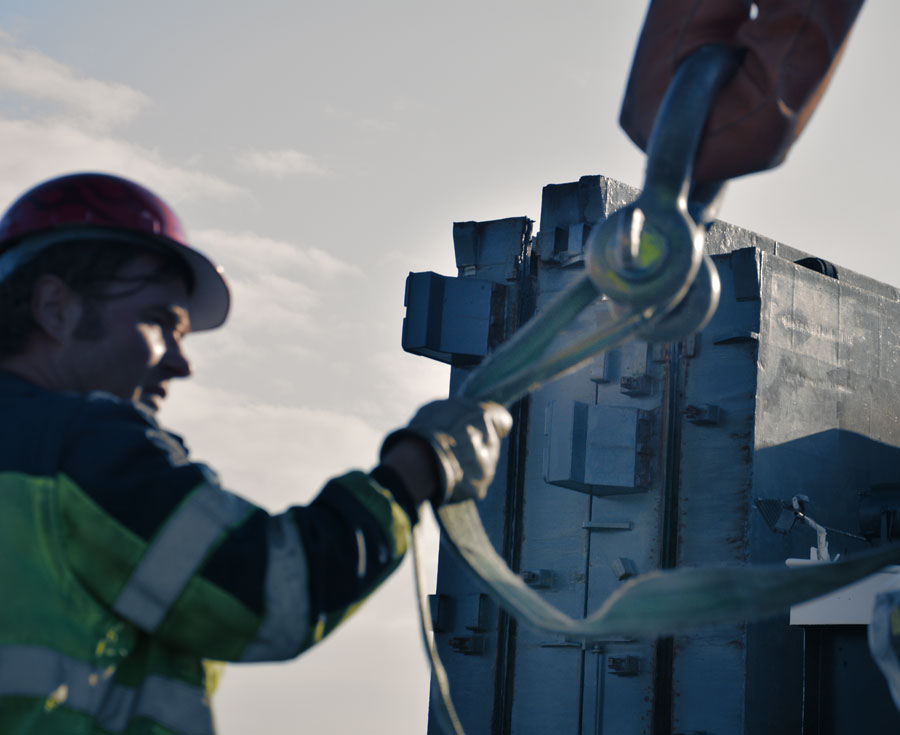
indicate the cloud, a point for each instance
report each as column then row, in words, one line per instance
column 372, row 123
column 277, row 285
column 273, row 454
column 97, row 104
column 404, row 381
column 31, row 151
column 279, row 163
column 68, row 130
column 252, row 253
column 284, row 322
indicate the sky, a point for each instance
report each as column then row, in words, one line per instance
column 320, row 152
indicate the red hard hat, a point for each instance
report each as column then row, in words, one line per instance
column 99, row 202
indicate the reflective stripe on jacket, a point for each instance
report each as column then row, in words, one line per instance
column 123, row 565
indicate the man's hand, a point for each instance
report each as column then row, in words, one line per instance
column 790, row 51
column 463, row 438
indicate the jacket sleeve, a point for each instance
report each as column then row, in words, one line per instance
column 156, row 538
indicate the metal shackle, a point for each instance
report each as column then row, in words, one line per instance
column 649, row 252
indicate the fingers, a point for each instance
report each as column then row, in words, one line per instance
column 499, row 417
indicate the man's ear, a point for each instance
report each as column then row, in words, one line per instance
column 55, row 307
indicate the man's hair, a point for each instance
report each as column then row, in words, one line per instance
column 88, row 267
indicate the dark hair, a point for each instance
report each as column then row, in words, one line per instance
column 87, row 267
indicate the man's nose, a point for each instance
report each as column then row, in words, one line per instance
column 175, row 361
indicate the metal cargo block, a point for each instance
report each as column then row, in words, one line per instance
column 614, row 437
column 452, row 320
column 745, row 270
column 564, row 244
column 493, row 247
column 565, row 441
column 468, row 645
column 595, row 449
column 705, row 414
column 624, row 665
column 441, row 609
column 635, row 380
column 623, row 568
column 602, row 368
column 634, row 359
column 537, row 578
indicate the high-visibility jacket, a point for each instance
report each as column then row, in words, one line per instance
column 123, row 565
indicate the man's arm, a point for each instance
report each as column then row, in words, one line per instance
column 412, row 460
column 158, row 540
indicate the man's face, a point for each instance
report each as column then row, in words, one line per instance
column 142, row 320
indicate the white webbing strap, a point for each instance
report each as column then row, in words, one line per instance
column 662, row 602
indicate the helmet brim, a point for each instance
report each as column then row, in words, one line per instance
column 210, row 298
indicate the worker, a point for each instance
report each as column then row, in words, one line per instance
column 788, row 52
column 123, row 564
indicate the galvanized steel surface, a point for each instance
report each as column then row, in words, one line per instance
column 791, row 389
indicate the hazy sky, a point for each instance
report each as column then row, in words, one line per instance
column 322, row 151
